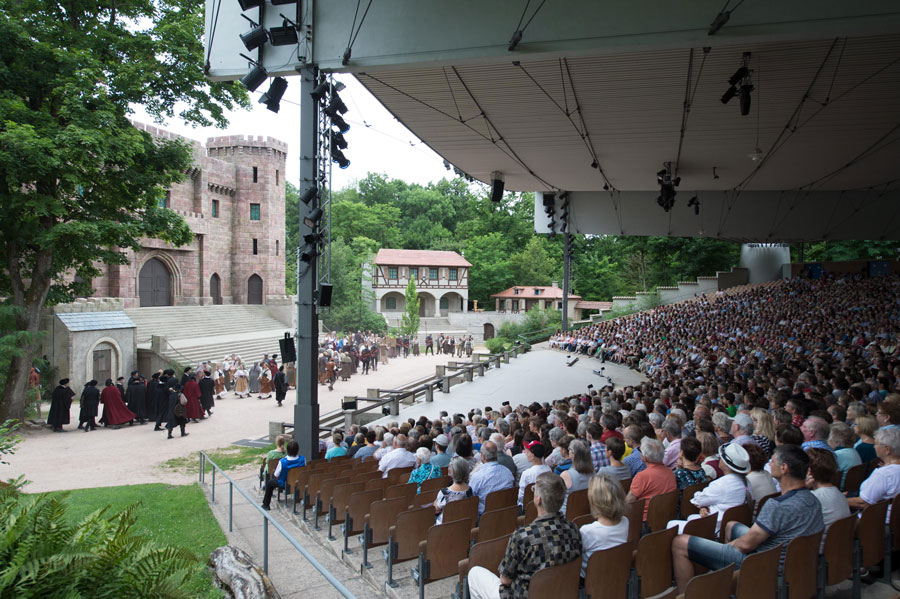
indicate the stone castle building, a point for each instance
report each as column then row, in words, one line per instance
column 233, row 201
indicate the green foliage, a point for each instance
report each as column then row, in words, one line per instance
column 839, row 251
column 497, row 345
column 409, row 322
column 44, row 552
column 8, row 440
column 351, row 302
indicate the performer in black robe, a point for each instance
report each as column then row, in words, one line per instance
column 166, row 382
column 186, row 375
column 136, row 397
column 60, row 404
column 207, row 393
column 281, row 385
column 150, row 397
column 173, row 419
column 90, row 405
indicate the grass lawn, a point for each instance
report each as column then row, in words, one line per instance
column 226, row 458
column 175, row 515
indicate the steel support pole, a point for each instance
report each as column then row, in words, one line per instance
column 213, row 488
column 306, row 410
column 265, row 545
column 567, row 267
column 230, row 506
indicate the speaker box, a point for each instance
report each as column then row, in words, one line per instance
column 496, row 190
column 325, row 295
column 288, row 350
column 349, row 405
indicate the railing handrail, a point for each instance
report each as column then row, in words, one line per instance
column 344, row 591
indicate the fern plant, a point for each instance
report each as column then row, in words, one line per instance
column 43, row 554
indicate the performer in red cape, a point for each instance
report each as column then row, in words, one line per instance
column 193, row 409
column 115, row 412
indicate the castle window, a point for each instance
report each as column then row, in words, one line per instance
column 433, row 274
column 276, row 247
column 254, row 211
column 516, row 291
column 255, row 247
column 390, row 303
column 255, row 174
column 452, row 274
column 215, row 212
column 537, row 291
column 276, row 177
column 392, row 272
column 413, row 272
column 164, row 200
column 444, row 303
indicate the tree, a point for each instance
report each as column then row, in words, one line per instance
column 409, row 322
column 81, row 183
column 533, row 265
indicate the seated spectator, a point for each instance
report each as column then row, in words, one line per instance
column 424, row 469
column 534, row 451
column 815, row 433
column 607, row 500
column 722, row 423
column 888, row 414
column 822, row 467
column 565, row 457
column 672, row 434
column 884, row 482
column 609, row 422
column 359, row 441
column 598, row 450
column 865, row 446
column 369, row 449
column 292, row 460
column 555, row 457
column 464, row 448
column 633, row 437
column 760, row 482
column 795, row 513
column 387, row 445
column 490, row 476
column 742, row 430
column 841, row 439
column 688, row 472
column 655, row 480
column 615, row 449
column 441, row 458
column 459, row 470
column 576, row 478
column 764, row 430
column 273, row 454
column 550, row 540
column 518, row 450
column 398, row 457
column 338, row 448
column 502, row 458
column 710, row 448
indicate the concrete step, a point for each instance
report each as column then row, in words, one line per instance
column 185, row 322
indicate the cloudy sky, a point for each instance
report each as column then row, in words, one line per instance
column 377, row 142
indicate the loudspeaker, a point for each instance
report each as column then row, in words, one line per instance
column 349, row 405
column 496, row 190
column 288, row 349
column 325, row 295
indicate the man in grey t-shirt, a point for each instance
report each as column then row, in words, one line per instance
column 795, row 513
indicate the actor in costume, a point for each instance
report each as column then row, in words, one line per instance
column 281, row 385
column 115, row 413
column 207, row 393
column 193, row 410
column 253, row 378
column 90, row 405
column 136, row 397
column 265, row 384
column 176, row 411
column 241, row 386
column 60, row 404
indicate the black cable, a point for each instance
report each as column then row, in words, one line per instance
column 212, row 35
column 533, row 15
column 524, row 10
column 685, row 109
column 353, row 26
column 361, row 21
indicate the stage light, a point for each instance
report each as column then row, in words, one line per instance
column 595, row 164
column 667, row 185
column 719, row 22
column 695, row 203
column 254, row 38
column 248, row 4
column 549, row 199
column 340, row 123
column 606, row 187
column 310, row 193
column 285, row 35
column 745, row 99
column 336, row 104
column 255, row 76
column 312, row 238
column 318, row 94
column 272, row 98
column 496, row 186
column 313, row 218
column 729, row 94
column 338, row 156
column 309, row 256
column 338, row 141
column 738, row 76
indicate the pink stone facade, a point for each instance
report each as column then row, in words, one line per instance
column 223, row 172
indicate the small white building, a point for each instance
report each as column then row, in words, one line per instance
column 442, row 281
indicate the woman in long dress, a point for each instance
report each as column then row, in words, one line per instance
column 265, row 386
column 253, row 380
column 241, row 386
column 220, row 383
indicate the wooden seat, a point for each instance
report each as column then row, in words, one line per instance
column 425, row 498
column 704, row 527
column 662, row 508
column 853, row 479
column 410, row 528
column 326, row 492
column 357, row 508
column 378, row 483
column 762, row 501
column 688, row 508
column 407, row 490
column 290, row 483
column 367, row 465
column 556, row 581
column 583, row 520
column 529, row 515
column 608, row 571
column 653, row 562
column 869, row 542
column 364, row 477
column 577, row 504
column 496, row 523
column 528, row 495
column 501, row 499
column 400, row 475
column 635, row 514
column 444, row 547
column 836, row 561
column 801, row 563
column 758, row 576
column 300, row 485
column 487, row 554
column 436, row 484
column 340, row 499
column 377, row 523
column 712, row 585
column 892, row 540
column 739, row 513
column 626, row 485
column 311, row 492
column 461, row 508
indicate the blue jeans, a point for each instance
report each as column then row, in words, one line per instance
column 715, row 555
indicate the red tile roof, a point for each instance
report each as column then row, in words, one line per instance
column 527, row 292
column 419, row 258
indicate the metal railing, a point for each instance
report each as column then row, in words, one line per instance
column 267, row 519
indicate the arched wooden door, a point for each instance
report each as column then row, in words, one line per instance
column 488, row 331
column 255, row 290
column 215, row 289
column 155, row 284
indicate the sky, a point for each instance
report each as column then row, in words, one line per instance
column 378, row 143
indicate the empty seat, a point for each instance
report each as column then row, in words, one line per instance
column 853, row 479
column 801, row 564
column 357, row 508
column 407, row 490
column 608, row 571
column 377, row 524
column 436, row 484
column 364, row 477
column 712, row 585
column 635, row 514
column 400, row 475
column 496, row 523
column 378, row 483
column 311, row 491
column 410, row 528
column 653, row 562
column 892, row 541
column 501, row 499
column 556, row 581
column 529, row 515
column 528, row 495
column 424, row 498
column 440, row 553
column 487, row 554
column 583, row 520
column 577, row 504
column 758, row 576
column 662, row 508
column 340, row 499
column 739, row 513
column 626, row 485
column 326, row 491
column 836, row 561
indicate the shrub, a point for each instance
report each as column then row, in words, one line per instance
column 497, row 345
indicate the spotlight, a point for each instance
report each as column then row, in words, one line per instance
column 254, row 38
column 310, row 193
column 318, row 94
column 285, row 35
column 340, row 123
column 272, row 98
column 346, row 58
column 595, row 164
column 667, row 185
column 336, row 103
column 338, row 156
column 313, row 218
column 312, row 238
column 695, row 203
column 719, row 22
column 549, row 199
column 729, row 94
column 738, row 76
column 309, row 256
column 715, row 172
column 745, row 99
column 248, row 4
column 446, row 164
column 254, row 77
column 606, row 187
column 338, row 141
